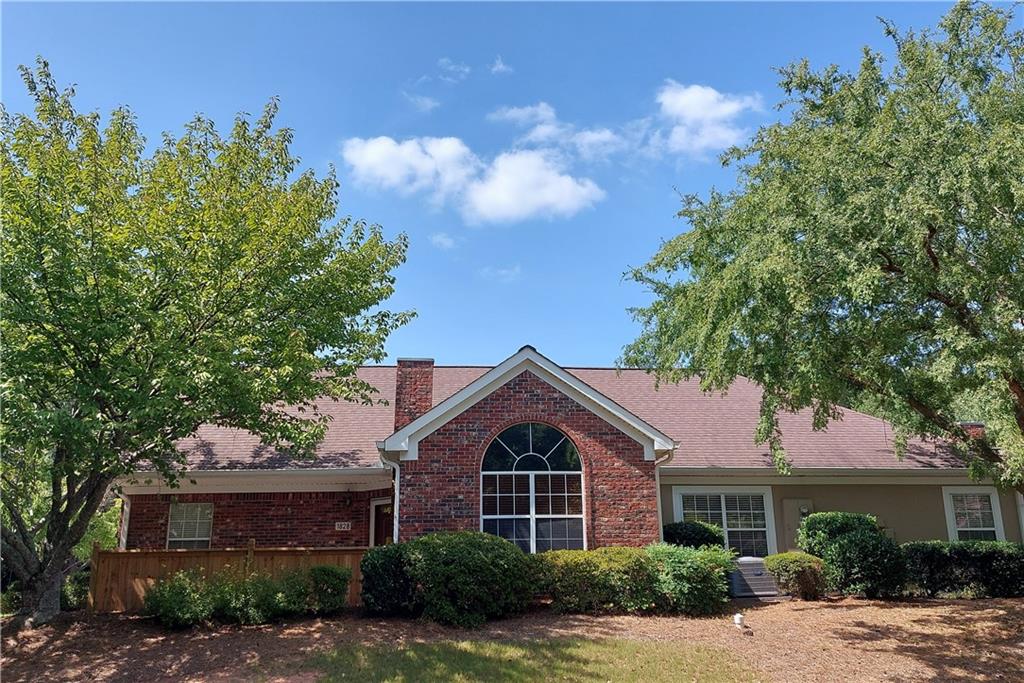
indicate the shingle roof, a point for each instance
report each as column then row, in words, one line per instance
column 712, row 430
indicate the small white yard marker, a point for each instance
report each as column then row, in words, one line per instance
column 738, row 620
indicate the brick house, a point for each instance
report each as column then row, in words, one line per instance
column 553, row 457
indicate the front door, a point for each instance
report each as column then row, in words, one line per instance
column 382, row 523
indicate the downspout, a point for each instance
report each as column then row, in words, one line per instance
column 657, row 487
column 397, row 480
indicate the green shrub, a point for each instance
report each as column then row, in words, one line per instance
column 929, row 566
column 605, row 580
column 244, row 598
column 987, row 568
column 690, row 580
column 868, row 562
column 799, row 574
column 693, row 534
column 294, row 593
column 182, row 599
column 328, row 588
column 464, row 578
column 819, row 530
column 74, row 594
column 387, row 587
column 10, row 600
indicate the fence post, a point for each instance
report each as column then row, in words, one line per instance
column 94, row 562
column 249, row 553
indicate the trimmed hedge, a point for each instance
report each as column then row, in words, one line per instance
column 388, row 590
column 977, row 568
column 464, row 578
column 819, row 530
column 693, row 581
column 693, row 534
column 799, row 574
column 867, row 562
column 605, row 580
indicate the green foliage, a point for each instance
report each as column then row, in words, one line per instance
column 146, row 295
column 819, row 530
column 387, row 587
column 182, row 599
column 240, row 598
column 694, row 534
column 74, row 595
column 692, row 581
column 294, row 591
column 867, row 562
column 988, row 568
column 10, row 600
column 799, row 574
column 929, row 566
column 870, row 253
column 103, row 529
column 605, row 580
column 328, row 588
column 465, row 578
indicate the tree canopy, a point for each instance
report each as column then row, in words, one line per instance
column 872, row 252
column 146, row 294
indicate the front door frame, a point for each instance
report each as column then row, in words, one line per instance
column 374, row 502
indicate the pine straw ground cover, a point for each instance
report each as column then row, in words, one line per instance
column 849, row 640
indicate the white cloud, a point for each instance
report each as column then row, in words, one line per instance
column 421, row 102
column 597, row 143
column 546, row 130
column 526, row 184
column 500, row 67
column 539, row 113
column 504, row 275
column 442, row 240
column 441, row 165
column 452, row 71
column 703, row 119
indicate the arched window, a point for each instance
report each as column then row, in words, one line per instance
column 531, row 489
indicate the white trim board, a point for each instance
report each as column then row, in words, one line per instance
column 374, row 502
column 766, row 491
column 404, row 442
column 997, row 510
column 263, row 481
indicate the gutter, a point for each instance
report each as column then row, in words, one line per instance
column 657, row 491
column 396, row 487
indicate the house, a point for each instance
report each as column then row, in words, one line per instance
column 554, row 457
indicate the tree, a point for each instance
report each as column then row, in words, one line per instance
column 144, row 296
column 872, row 253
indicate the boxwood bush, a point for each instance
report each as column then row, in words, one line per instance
column 865, row 561
column 693, row 534
column 929, row 567
column 464, row 578
column 328, row 588
column 992, row 569
column 693, row 581
column 605, row 580
column 182, row 599
column 819, row 530
column 387, row 587
column 798, row 574
column 240, row 598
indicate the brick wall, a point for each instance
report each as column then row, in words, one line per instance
column 414, row 390
column 441, row 489
column 272, row 519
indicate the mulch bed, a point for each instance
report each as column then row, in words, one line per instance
column 849, row 640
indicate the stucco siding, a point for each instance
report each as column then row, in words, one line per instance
column 908, row 512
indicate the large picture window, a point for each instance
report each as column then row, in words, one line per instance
column 744, row 514
column 531, row 484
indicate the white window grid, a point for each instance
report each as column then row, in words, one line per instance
column 189, row 524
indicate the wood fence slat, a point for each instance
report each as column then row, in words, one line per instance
column 120, row 578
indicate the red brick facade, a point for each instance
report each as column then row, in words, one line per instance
column 414, row 390
column 441, row 489
column 271, row 519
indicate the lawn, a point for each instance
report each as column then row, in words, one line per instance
column 849, row 640
column 559, row 659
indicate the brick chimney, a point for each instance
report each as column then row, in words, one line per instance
column 414, row 389
column 975, row 430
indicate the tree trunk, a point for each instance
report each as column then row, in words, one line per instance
column 40, row 597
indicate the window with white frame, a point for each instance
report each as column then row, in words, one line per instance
column 973, row 514
column 189, row 525
column 744, row 515
column 531, row 489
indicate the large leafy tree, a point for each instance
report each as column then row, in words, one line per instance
column 144, row 295
column 872, row 252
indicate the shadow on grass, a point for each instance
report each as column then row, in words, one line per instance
column 572, row 659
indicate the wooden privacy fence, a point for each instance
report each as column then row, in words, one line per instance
column 120, row 578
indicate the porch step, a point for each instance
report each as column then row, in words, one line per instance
column 751, row 579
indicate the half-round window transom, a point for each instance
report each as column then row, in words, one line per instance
column 532, row 447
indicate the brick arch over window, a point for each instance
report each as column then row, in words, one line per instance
column 440, row 490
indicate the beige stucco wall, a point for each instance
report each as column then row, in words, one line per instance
column 908, row 511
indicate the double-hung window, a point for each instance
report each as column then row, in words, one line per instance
column 190, row 525
column 744, row 514
column 972, row 513
column 531, row 489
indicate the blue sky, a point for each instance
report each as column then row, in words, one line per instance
column 532, row 153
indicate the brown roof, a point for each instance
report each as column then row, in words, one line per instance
column 712, row 430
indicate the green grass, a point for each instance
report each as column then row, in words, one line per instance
column 559, row 659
